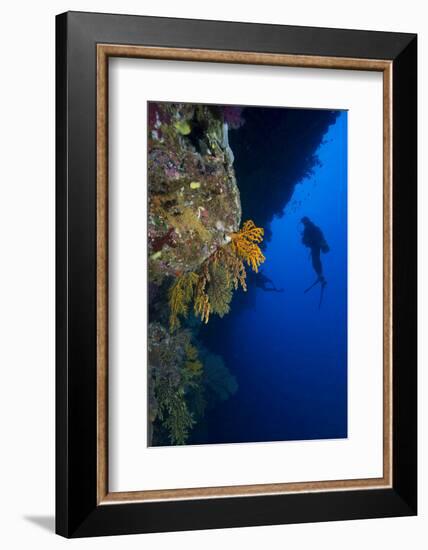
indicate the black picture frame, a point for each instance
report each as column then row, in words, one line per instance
column 77, row 511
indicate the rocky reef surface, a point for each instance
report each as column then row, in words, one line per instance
column 194, row 200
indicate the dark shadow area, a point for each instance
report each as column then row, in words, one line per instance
column 276, row 149
column 45, row 522
column 286, row 352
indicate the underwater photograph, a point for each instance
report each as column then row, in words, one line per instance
column 247, row 274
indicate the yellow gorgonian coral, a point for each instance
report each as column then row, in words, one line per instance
column 220, row 289
column 235, row 269
column 180, row 296
column 245, row 243
column 193, row 364
column 202, row 307
column 188, row 221
column 211, row 288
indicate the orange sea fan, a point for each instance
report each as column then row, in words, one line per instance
column 228, row 260
column 245, row 243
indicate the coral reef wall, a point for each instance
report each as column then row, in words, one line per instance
column 194, row 209
column 193, row 196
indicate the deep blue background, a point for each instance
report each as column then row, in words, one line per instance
column 289, row 357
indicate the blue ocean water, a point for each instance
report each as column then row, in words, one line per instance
column 288, row 355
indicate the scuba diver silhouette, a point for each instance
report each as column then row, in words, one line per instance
column 313, row 238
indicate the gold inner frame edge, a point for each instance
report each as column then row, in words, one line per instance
column 104, row 51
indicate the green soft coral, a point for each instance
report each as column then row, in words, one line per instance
column 193, row 365
column 173, row 412
column 183, row 127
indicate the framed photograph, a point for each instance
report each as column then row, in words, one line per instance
column 236, row 274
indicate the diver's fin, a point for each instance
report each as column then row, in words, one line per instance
column 322, row 293
column 312, row 286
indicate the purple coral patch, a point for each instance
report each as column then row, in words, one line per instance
column 233, row 116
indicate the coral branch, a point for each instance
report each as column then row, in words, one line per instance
column 245, row 243
column 202, row 306
column 212, row 287
column 180, row 295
